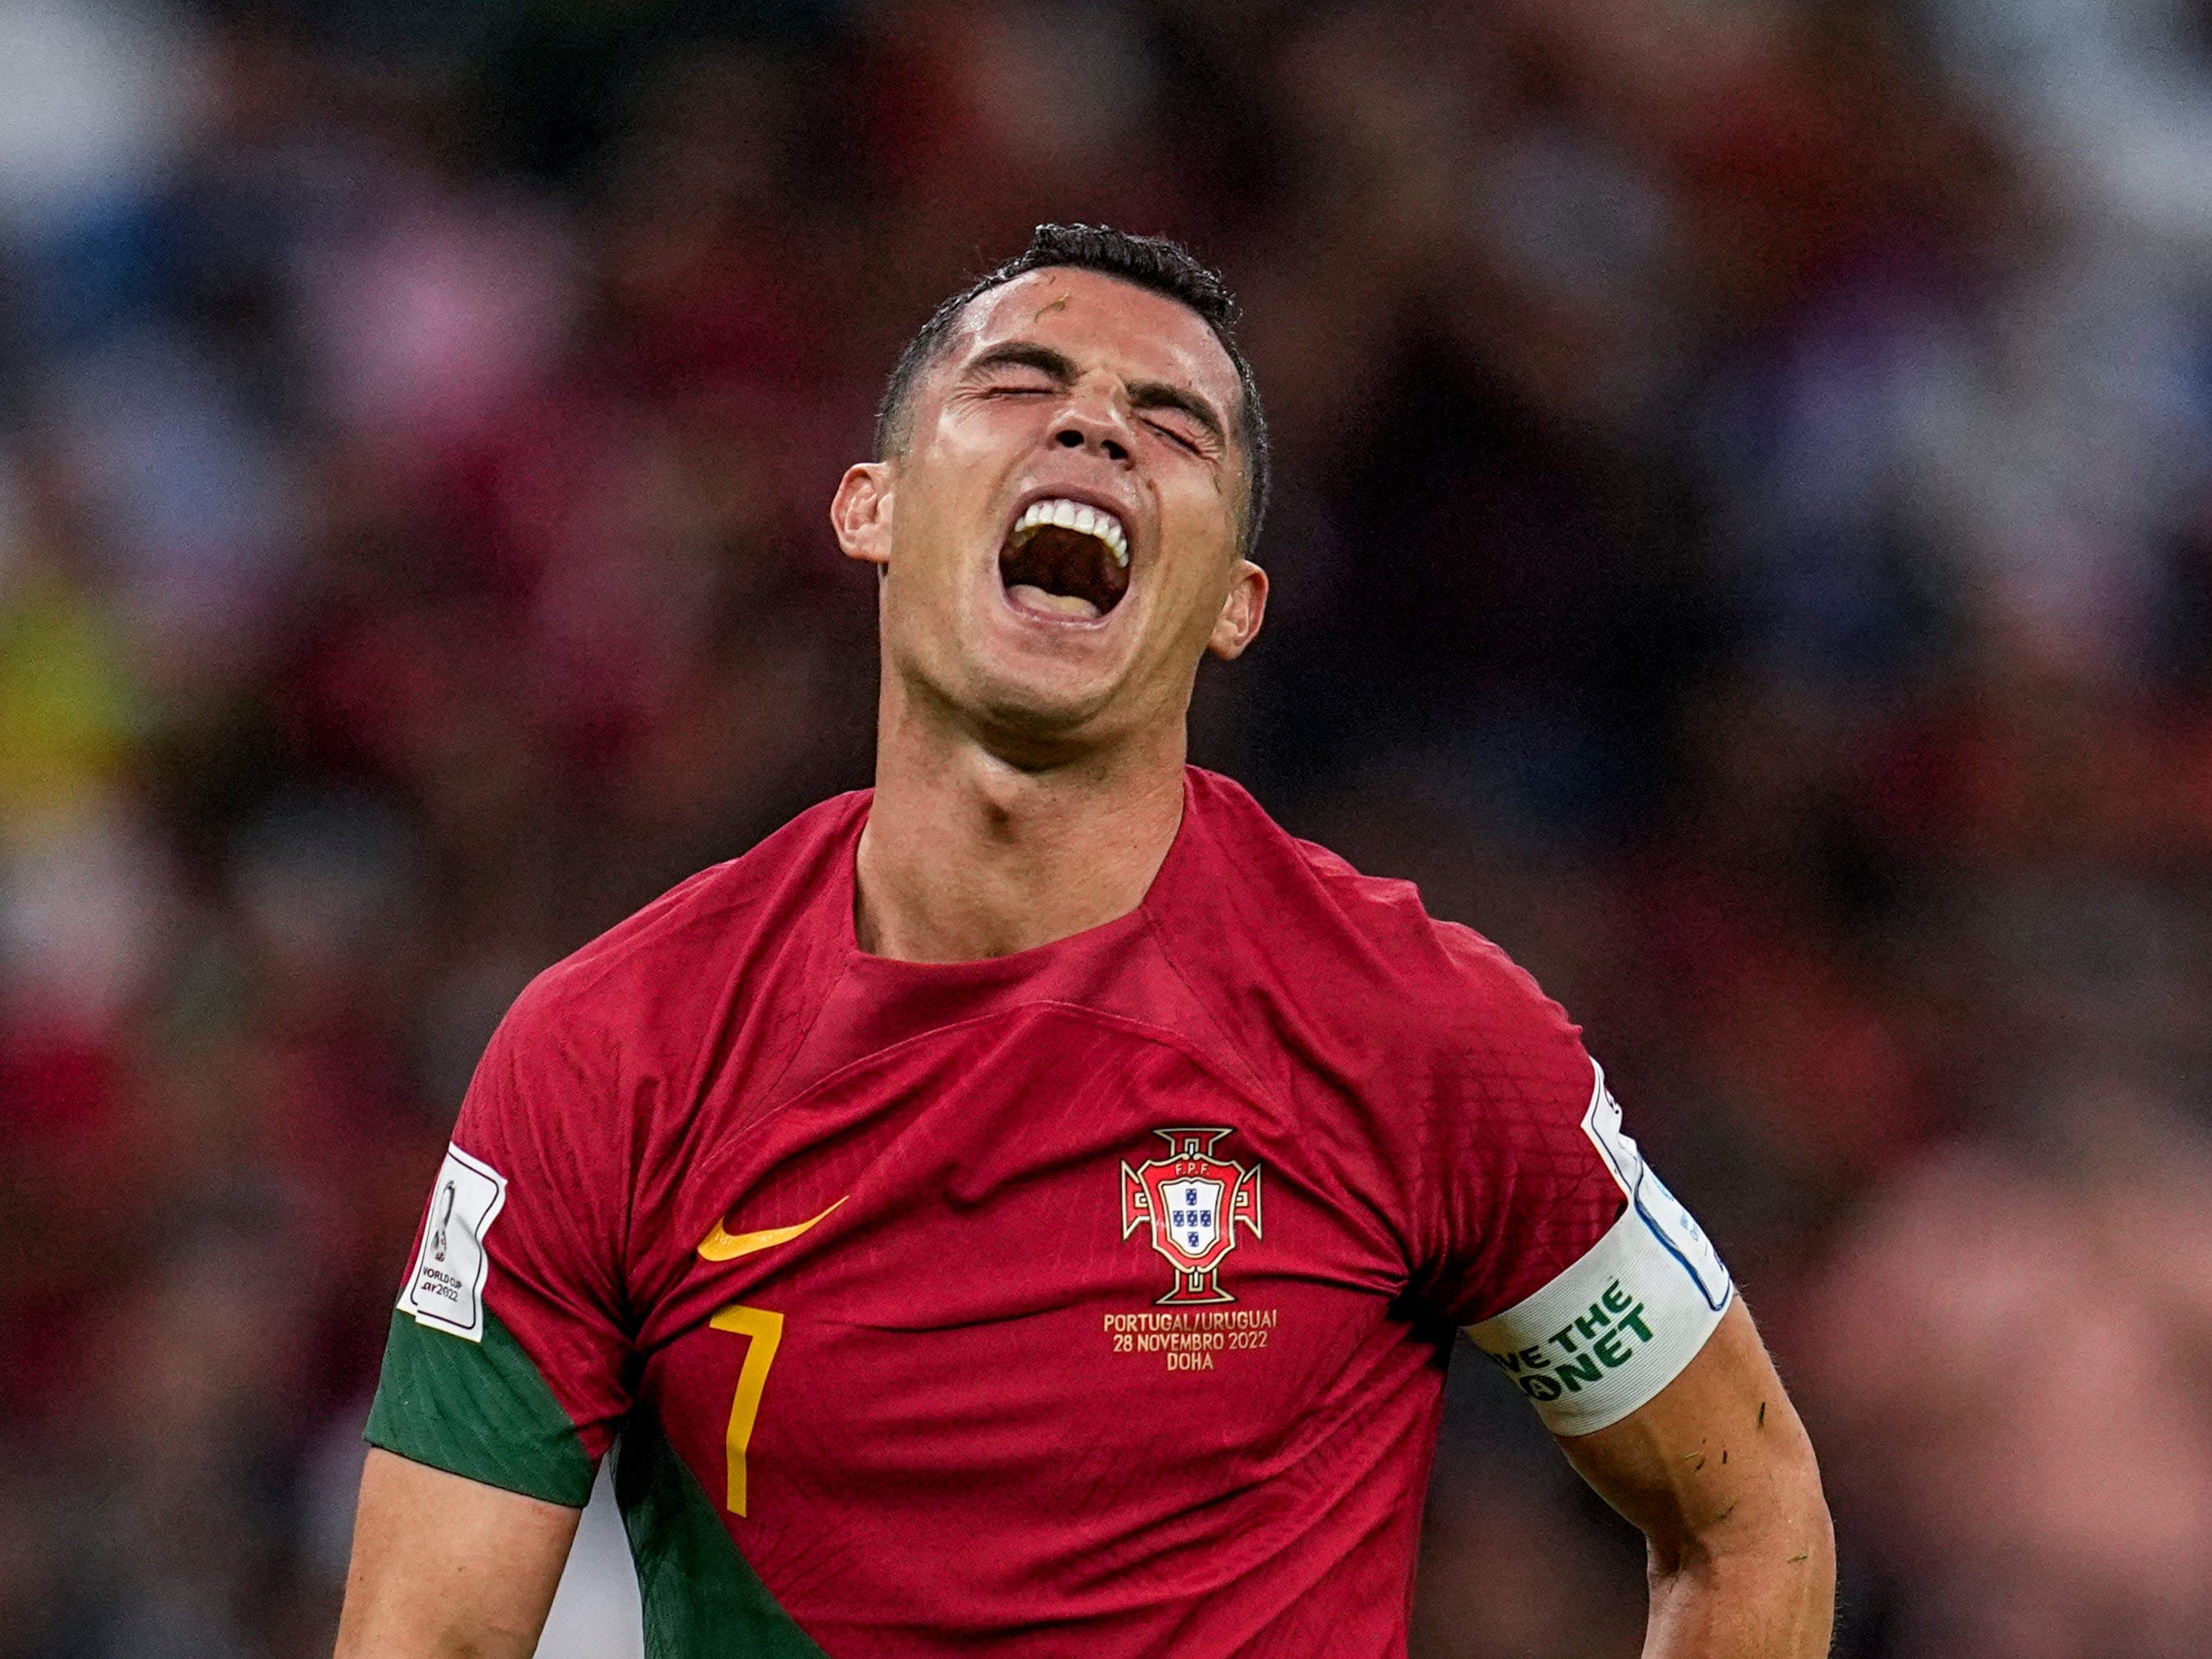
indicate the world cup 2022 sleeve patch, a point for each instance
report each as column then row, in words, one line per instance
column 1613, row 1330
column 445, row 1289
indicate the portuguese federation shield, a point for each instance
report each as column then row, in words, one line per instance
column 1194, row 1214
column 1192, row 1201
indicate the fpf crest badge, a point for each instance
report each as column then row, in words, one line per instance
column 1194, row 1202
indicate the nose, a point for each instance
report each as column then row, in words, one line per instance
column 1093, row 423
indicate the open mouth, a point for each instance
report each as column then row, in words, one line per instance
column 1067, row 559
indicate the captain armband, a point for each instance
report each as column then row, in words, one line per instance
column 1613, row 1330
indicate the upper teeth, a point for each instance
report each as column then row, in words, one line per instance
column 1083, row 520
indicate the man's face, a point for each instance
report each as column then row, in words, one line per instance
column 1059, row 535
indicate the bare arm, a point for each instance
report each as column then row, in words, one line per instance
column 448, row 1568
column 1718, row 1472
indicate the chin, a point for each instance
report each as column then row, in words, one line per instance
column 1038, row 676
column 1048, row 707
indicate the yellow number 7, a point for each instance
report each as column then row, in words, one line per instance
column 766, row 1331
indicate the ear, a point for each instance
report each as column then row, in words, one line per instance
column 860, row 512
column 1241, row 612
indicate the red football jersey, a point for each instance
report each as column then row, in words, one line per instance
column 1093, row 1300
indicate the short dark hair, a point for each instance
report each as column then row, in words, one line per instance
column 1149, row 261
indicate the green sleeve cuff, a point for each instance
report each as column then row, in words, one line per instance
column 478, row 1409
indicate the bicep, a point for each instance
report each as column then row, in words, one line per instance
column 444, row 1566
column 1717, row 1462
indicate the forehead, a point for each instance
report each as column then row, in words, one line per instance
column 1102, row 322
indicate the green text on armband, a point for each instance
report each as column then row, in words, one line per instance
column 1608, row 1334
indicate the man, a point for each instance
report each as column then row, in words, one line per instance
column 1027, row 1207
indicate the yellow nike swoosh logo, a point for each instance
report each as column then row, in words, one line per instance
column 719, row 1246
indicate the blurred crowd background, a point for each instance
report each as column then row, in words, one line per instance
column 1744, row 542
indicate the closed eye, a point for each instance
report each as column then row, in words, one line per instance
column 1020, row 368
column 1179, row 414
column 1182, row 440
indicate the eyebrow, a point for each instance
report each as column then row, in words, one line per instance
column 1060, row 368
column 1027, row 353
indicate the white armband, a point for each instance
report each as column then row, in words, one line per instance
column 1613, row 1330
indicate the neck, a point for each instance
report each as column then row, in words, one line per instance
column 967, row 855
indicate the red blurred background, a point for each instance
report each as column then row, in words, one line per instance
column 1744, row 541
